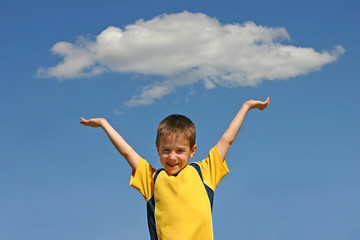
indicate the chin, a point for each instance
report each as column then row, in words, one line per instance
column 173, row 172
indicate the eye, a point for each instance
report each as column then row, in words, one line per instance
column 165, row 150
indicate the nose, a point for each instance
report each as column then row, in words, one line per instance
column 172, row 155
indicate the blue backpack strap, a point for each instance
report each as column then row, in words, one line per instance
column 150, row 206
column 209, row 191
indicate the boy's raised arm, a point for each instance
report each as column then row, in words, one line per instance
column 119, row 143
column 229, row 136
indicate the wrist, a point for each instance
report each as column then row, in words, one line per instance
column 246, row 106
column 103, row 122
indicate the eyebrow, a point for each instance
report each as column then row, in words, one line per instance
column 182, row 147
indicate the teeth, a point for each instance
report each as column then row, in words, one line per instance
column 172, row 165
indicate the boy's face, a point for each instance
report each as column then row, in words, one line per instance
column 174, row 152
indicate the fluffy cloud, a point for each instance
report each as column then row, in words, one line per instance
column 185, row 48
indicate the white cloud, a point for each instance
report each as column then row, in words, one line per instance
column 117, row 112
column 185, row 48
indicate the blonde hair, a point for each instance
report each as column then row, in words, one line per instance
column 178, row 124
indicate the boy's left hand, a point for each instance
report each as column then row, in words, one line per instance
column 258, row 104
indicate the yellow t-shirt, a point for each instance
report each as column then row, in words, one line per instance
column 178, row 205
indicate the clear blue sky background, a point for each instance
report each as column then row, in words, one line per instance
column 294, row 168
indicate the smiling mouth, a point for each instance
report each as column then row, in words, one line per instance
column 172, row 165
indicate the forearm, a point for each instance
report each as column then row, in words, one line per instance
column 121, row 145
column 230, row 134
column 235, row 125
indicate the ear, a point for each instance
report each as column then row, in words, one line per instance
column 157, row 149
column 192, row 151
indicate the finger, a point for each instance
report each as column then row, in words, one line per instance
column 84, row 121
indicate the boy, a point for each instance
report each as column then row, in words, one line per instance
column 179, row 197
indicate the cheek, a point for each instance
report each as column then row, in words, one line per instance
column 162, row 158
column 184, row 160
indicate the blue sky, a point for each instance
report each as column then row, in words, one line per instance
column 294, row 167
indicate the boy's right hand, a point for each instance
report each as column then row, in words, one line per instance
column 93, row 122
column 119, row 143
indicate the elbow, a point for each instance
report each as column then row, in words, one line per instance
column 226, row 141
